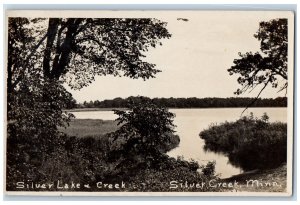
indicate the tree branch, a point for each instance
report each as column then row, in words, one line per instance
column 255, row 99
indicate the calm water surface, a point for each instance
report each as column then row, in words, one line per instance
column 190, row 122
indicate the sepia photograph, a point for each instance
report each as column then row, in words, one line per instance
column 149, row 103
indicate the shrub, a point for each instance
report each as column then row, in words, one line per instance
column 146, row 133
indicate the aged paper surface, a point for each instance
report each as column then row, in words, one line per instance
column 205, row 102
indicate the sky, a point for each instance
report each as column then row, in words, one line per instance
column 194, row 61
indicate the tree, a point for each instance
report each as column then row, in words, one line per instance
column 269, row 66
column 34, row 103
column 146, row 129
column 85, row 47
column 45, row 53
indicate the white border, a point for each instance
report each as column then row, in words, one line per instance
column 236, row 4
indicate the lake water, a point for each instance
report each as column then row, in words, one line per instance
column 190, row 122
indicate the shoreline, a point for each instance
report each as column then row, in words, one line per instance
column 263, row 178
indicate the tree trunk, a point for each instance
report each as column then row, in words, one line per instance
column 51, row 34
column 59, row 65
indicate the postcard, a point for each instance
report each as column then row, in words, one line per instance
column 149, row 103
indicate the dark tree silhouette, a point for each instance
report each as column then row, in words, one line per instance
column 269, row 66
column 146, row 125
column 85, row 47
column 45, row 53
column 147, row 130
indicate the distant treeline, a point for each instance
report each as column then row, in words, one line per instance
column 192, row 102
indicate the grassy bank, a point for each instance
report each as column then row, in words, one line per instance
column 89, row 158
column 90, row 127
column 255, row 145
column 250, row 143
column 99, row 129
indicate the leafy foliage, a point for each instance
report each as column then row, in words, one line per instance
column 146, row 118
column 145, row 135
column 268, row 66
column 209, row 169
column 171, row 169
column 77, row 49
column 114, row 47
column 35, row 112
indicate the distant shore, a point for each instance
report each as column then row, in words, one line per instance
column 111, row 109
